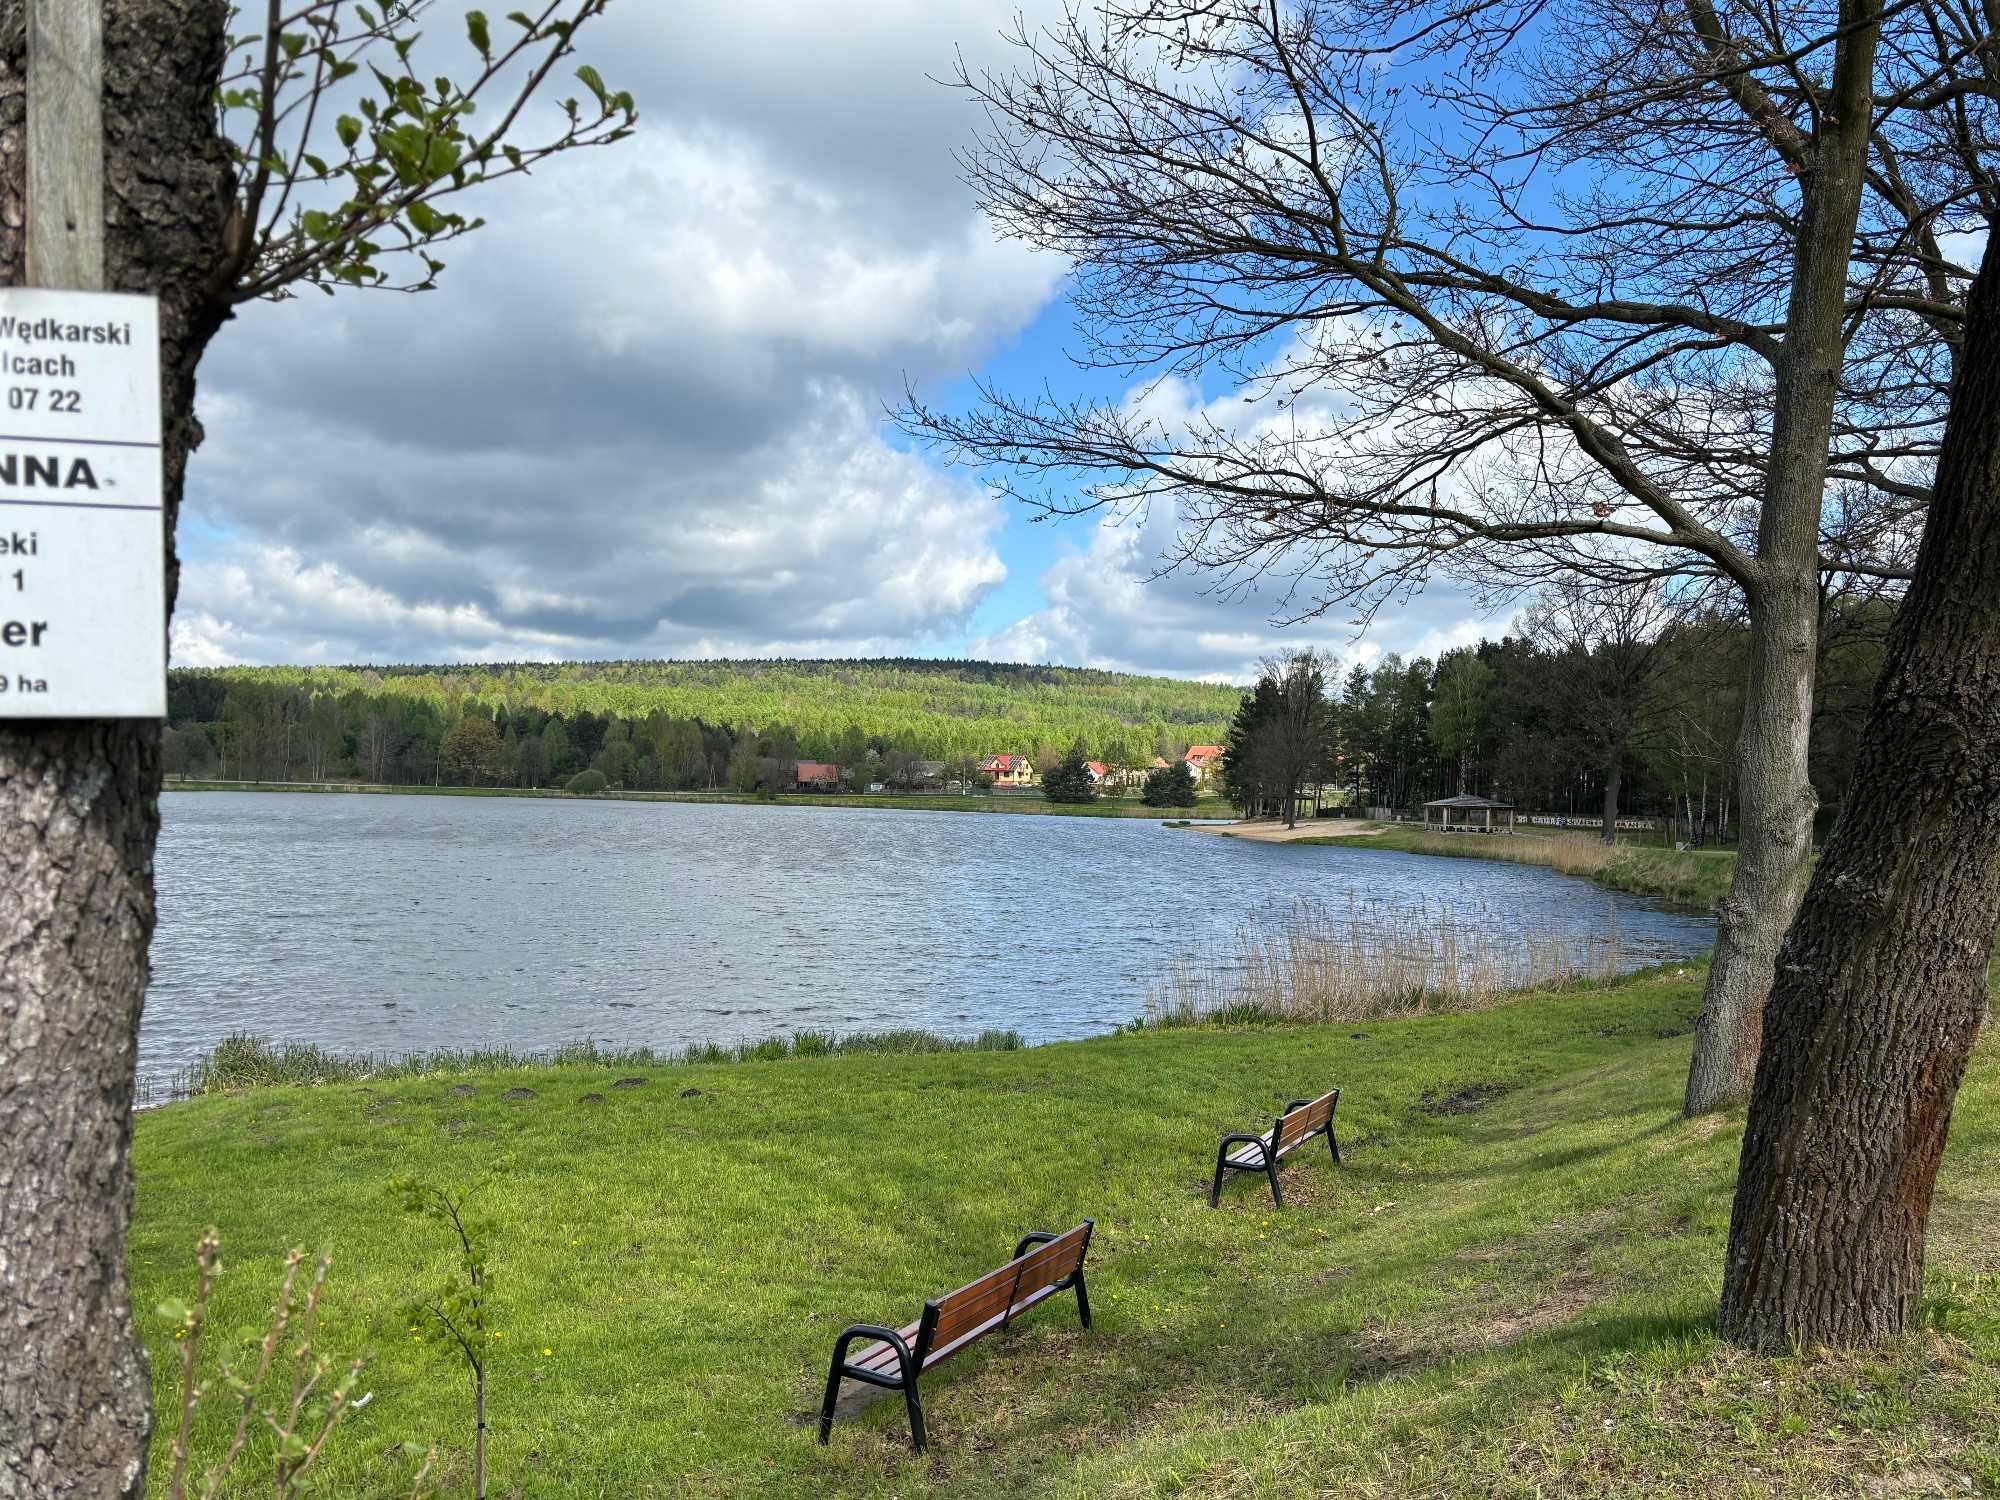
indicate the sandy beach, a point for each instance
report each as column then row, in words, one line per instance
column 1266, row 831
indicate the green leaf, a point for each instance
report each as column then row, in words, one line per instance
column 319, row 226
column 174, row 1310
column 424, row 219
column 592, row 82
column 475, row 31
column 348, row 129
column 293, row 43
column 520, row 19
column 316, row 163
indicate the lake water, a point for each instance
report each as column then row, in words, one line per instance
column 400, row 923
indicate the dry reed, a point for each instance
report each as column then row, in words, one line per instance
column 1368, row 960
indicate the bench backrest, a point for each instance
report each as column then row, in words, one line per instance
column 1299, row 1122
column 954, row 1315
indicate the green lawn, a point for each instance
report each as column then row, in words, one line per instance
column 1507, row 1290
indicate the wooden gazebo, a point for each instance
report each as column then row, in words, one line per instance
column 1468, row 815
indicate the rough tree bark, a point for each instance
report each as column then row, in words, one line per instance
column 79, row 816
column 1777, row 793
column 1613, row 777
column 1881, row 985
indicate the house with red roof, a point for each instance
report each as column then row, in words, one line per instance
column 816, row 776
column 1099, row 772
column 1009, row 770
column 1202, row 759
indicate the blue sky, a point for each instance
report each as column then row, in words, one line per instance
column 643, row 414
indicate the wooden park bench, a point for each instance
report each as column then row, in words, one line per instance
column 1043, row 1265
column 1302, row 1120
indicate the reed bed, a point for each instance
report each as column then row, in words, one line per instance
column 1366, row 961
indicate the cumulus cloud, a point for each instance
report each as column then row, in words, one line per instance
column 1109, row 604
column 643, row 413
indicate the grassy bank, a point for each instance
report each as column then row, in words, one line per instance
column 248, row 1061
column 1506, row 1290
column 1002, row 802
column 1697, row 878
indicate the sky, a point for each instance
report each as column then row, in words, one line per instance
column 644, row 414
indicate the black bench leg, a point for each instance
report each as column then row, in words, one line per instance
column 1215, row 1188
column 916, row 1414
column 1271, row 1171
column 832, row 1395
column 1082, row 1300
column 1333, row 1141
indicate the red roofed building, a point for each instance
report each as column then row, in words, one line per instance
column 817, row 775
column 1098, row 770
column 1201, row 759
column 1009, row 770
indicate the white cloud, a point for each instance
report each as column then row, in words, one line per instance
column 1106, row 607
column 643, row 413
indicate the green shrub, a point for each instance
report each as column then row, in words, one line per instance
column 586, row 782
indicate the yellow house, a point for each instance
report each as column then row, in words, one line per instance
column 1009, row 770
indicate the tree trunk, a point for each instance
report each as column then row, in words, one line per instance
column 79, row 815
column 1882, row 983
column 1612, row 776
column 1777, row 794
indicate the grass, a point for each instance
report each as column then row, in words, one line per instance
column 996, row 802
column 1507, row 1290
column 1696, row 879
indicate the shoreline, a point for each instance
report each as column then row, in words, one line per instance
column 1687, row 880
column 1031, row 804
column 249, row 1062
column 1270, row 831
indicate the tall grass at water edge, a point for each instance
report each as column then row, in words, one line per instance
column 1696, row 879
column 244, row 1060
column 1366, row 960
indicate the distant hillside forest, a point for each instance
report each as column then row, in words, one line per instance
column 1553, row 718
column 657, row 725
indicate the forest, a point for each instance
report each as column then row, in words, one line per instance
column 667, row 726
column 1581, row 707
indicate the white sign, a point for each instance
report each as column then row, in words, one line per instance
column 82, row 552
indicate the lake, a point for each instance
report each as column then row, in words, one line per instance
column 401, row 923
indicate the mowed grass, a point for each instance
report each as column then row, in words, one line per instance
column 1507, row 1289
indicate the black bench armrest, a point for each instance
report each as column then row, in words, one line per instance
column 887, row 1336
column 1033, row 1237
column 1295, row 1104
column 1240, row 1139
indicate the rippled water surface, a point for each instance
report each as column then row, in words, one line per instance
column 396, row 923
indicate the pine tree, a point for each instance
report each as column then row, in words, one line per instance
column 1069, row 779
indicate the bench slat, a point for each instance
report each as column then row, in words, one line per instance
column 972, row 1335
column 978, row 1302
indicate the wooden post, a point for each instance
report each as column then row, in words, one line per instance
column 65, row 247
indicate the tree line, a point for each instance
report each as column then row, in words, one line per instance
column 265, row 726
column 1591, row 706
column 934, row 710
column 1597, row 705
